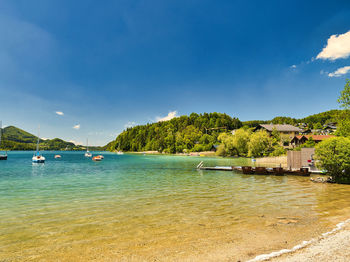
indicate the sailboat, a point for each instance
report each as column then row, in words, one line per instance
column 87, row 153
column 37, row 157
column 119, row 152
column 2, row 155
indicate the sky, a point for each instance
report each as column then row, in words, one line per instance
column 89, row 69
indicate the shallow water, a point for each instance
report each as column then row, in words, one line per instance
column 155, row 208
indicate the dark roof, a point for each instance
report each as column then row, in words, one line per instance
column 281, row 128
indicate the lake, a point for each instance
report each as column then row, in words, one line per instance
column 155, row 208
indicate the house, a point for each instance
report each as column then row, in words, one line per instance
column 299, row 140
column 282, row 129
column 330, row 128
column 306, row 131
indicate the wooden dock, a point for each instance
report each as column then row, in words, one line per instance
column 249, row 170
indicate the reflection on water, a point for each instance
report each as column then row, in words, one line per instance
column 146, row 208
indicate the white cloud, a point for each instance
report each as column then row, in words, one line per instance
column 293, row 66
column 340, row 71
column 170, row 116
column 129, row 124
column 338, row 46
column 59, row 113
column 77, row 127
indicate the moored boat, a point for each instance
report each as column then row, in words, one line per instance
column 260, row 170
column 87, row 153
column 97, row 158
column 37, row 157
column 247, row 170
column 57, row 156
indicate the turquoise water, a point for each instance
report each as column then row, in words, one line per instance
column 142, row 208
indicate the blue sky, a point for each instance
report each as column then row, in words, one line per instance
column 109, row 64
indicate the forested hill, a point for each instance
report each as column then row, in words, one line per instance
column 14, row 138
column 198, row 132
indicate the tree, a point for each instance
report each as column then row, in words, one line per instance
column 227, row 146
column 318, row 125
column 333, row 155
column 344, row 117
column 343, row 128
column 240, row 141
column 309, row 143
column 344, row 98
column 260, row 144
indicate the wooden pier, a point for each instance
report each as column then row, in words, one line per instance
column 249, row 170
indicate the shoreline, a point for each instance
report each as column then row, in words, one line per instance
column 333, row 245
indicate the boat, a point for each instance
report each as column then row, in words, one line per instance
column 119, row 152
column 58, row 156
column 87, row 153
column 37, row 157
column 97, row 158
column 101, row 156
column 3, row 156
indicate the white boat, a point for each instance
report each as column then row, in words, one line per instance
column 3, row 156
column 119, row 152
column 58, row 156
column 37, row 157
column 87, row 153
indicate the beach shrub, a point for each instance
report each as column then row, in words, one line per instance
column 260, row 144
column 333, row 155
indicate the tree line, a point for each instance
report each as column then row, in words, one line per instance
column 200, row 132
column 193, row 133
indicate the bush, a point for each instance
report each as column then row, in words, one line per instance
column 221, row 150
column 278, row 151
column 333, row 155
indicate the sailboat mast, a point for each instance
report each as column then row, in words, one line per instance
column 37, row 144
column 87, row 145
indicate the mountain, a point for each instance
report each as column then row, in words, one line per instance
column 14, row 138
column 199, row 132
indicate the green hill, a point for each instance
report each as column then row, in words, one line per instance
column 197, row 132
column 14, row 138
